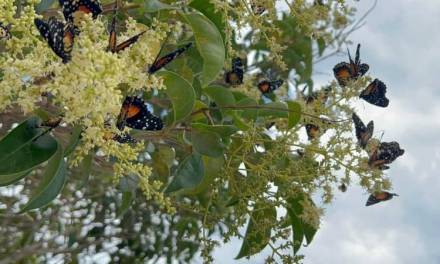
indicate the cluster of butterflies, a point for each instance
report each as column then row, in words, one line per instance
column 383, row 153
column 60, row 37
column 235, row 77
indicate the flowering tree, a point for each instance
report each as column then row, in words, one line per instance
column 147, row 129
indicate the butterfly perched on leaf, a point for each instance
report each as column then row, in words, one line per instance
column 345, row 72
column 266, row 86
column 363, row 133
column 72, row 7
column 135, row 114
column 375, row 94
column 235, row 75
column 5, row 33
column 380, row 197
column 384, row 153
column 58, row 35
column 161, row 62
column 113, row 46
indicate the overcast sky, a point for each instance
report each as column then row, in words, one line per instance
column 401, row 43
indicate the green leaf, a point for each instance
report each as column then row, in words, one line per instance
column 189, row 174
column 251, row 113
column 127, row 200
column 210, row 45
column 224, row 131
column 51, row 184
column 207, row 143
column 275, row 109
column 181, row 93
column 222, row 96
column 25, row 147
column 152, row 6
column 294, row 113
column 73, row 141
column 6, row 180
column 258, row 230
column 212, row 168
column 208, row 9
column 301, row 229
column 44, row 5
column 321, row 45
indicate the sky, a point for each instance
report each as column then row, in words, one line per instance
column 401, row 43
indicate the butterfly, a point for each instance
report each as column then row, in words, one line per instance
column 257, row 9
column 161, row 62
column 344, row 72
column 70, row 7
column 342, row 187
column 4, row 32
column 321, row 95
column 312, row 131
column 269, row 86
column 363, row 133
column 380, row 197
column 375, row 94
column 385, row 153
column 58, row 35
column 52, row 122
column 235, row 76
column 135, row 114
column 113, row 46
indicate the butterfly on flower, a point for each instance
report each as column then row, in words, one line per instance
column 58, row 35
column 375, row 94
column 384, row 153
column 380, row 197
column 345, row 72
column 135, row 114
column 161, row 62
column 257, row 9
column 312, row 131
column 320, row 96
column 267, row 86
column 113, row 46
column 235, row 76
column 71, row 8
column 363, row 133
column 5, row 32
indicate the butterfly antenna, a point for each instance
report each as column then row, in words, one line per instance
column 357, row 58
column 161, row 49
column 349, row 56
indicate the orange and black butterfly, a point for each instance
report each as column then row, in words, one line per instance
column 375, row 94
column 135, row 114
column 363, row 133
column 380, row 197
column 321, row 96
column 257, row 9
column 161, row 62
column 5, row 32
column 70, row 7
column 235, row 76
column 113, row 46
column 266, row 86
column 313, row 131
column 383, row 154
column 344, row 72
column 58, row 35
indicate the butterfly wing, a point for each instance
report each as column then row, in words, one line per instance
column 86, row 6
column 235, row 76
column 363, row 133
column 128, row 42
column 112, row 37
column 379, row 197
column 58, row 36
column 312, row 131
column 4, row 32
column 135, row 114
column 163, row 61
column 375, row 94
column 343, row 73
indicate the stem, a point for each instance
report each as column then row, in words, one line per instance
column 256, row 107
